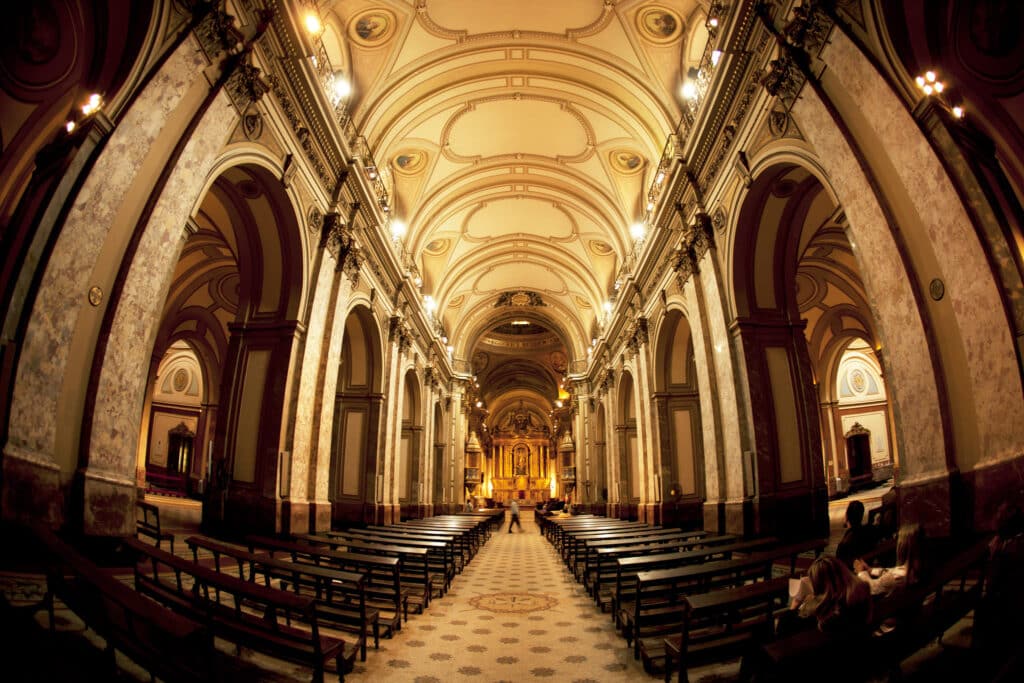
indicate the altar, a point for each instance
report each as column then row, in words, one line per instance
column 520, row 462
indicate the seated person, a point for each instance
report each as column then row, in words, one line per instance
column 908, row 564
column 837, row 600
column 858, row 539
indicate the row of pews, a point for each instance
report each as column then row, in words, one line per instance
column 315, row 600
column 679, row 597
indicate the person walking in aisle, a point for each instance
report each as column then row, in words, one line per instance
column 515, row 516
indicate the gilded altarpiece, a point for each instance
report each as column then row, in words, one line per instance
column 519, row 461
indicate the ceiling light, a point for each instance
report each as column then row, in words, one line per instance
column 92, row 105
column 313, row 24
column 398, row 229
column 520, row 322
column 429, row 304
column 342, row 88
column 607, row 306
column 716, row 56
column 69, row 126
column 638, row 231
column 958, row 112
column 689, row 90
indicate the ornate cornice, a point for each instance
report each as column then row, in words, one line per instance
column 399, row 333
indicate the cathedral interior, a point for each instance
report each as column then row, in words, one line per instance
column 288, row 266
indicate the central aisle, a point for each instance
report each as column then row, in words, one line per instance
column 514, row 613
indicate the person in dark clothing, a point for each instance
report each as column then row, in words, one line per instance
column 858, row 539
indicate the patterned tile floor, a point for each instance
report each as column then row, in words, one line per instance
column 514, row 614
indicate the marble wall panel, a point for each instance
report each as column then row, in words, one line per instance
column 708, row 393
column 122, row 384
column 909, row 370
column 61, row 300
column 972, row 294
column 725, row 378
column 310, row 399
column 321, row 468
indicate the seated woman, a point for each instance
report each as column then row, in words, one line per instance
column 907, row 571
column 838, row 601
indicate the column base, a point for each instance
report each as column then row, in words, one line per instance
column 714, row 516
column 31, row 489
column 108, row 504
column 295, row 517
column 987, row 486
column 929, row 502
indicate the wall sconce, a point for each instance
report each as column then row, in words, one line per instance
column 931, row 86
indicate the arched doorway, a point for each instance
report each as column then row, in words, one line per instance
column 357, row 482
column 629, row 482
column 677, row 402
column 409, row 467
column 238, row 287
column 439, row 473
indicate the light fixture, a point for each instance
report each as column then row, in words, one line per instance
column 930, row 85
column 520, row 323
column 716, row 56
column 638, row 231
column 92, row 105
column 313, row 24
column 398, row 229
column 69, row 126
column 341, row 87
column 479, row 404
column 429, row 304
column 607, row 306
column 689, row 90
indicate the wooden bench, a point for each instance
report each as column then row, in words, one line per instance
column 440, row 553
column 723, row 623
column 251, row 617
column 599, row 556
column 461, row 540
column 382, row 575
column 414, row 567
column 901, row 624
column 340, row 595
column 131, row 623
column 628, row 568
column 149, row 524
column 657, row 610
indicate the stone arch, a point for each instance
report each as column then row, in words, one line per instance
column 678, row 409
column 357, row 468
column 409, row 458
column 629, row 483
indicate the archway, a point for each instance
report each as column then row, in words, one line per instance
column 410, row 455
column 438, row 474
column 677, row 402
column 356, row 482
column 240, row 278
column 629, row 482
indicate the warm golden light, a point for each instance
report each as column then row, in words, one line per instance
column 313, row 24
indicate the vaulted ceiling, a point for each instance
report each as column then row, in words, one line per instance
column 517, row 140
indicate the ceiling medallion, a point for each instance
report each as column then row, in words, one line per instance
column 659, row 25
column 409, row 162
column 372, row 27
column 599, row 248
column 437, row 247
column 626, row 162
column 580, row 301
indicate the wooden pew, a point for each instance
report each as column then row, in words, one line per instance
column 413, row 563
column 460, row 540
column 922, row 613
column 149, row 525
column 383, row 581
column 722, row 623
column 657, row 611
column 340, row 595
column 601, row 572
column 577, row 544
column 440, row 553
column 252, row 616
column 129, row 622
column 628, row 568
